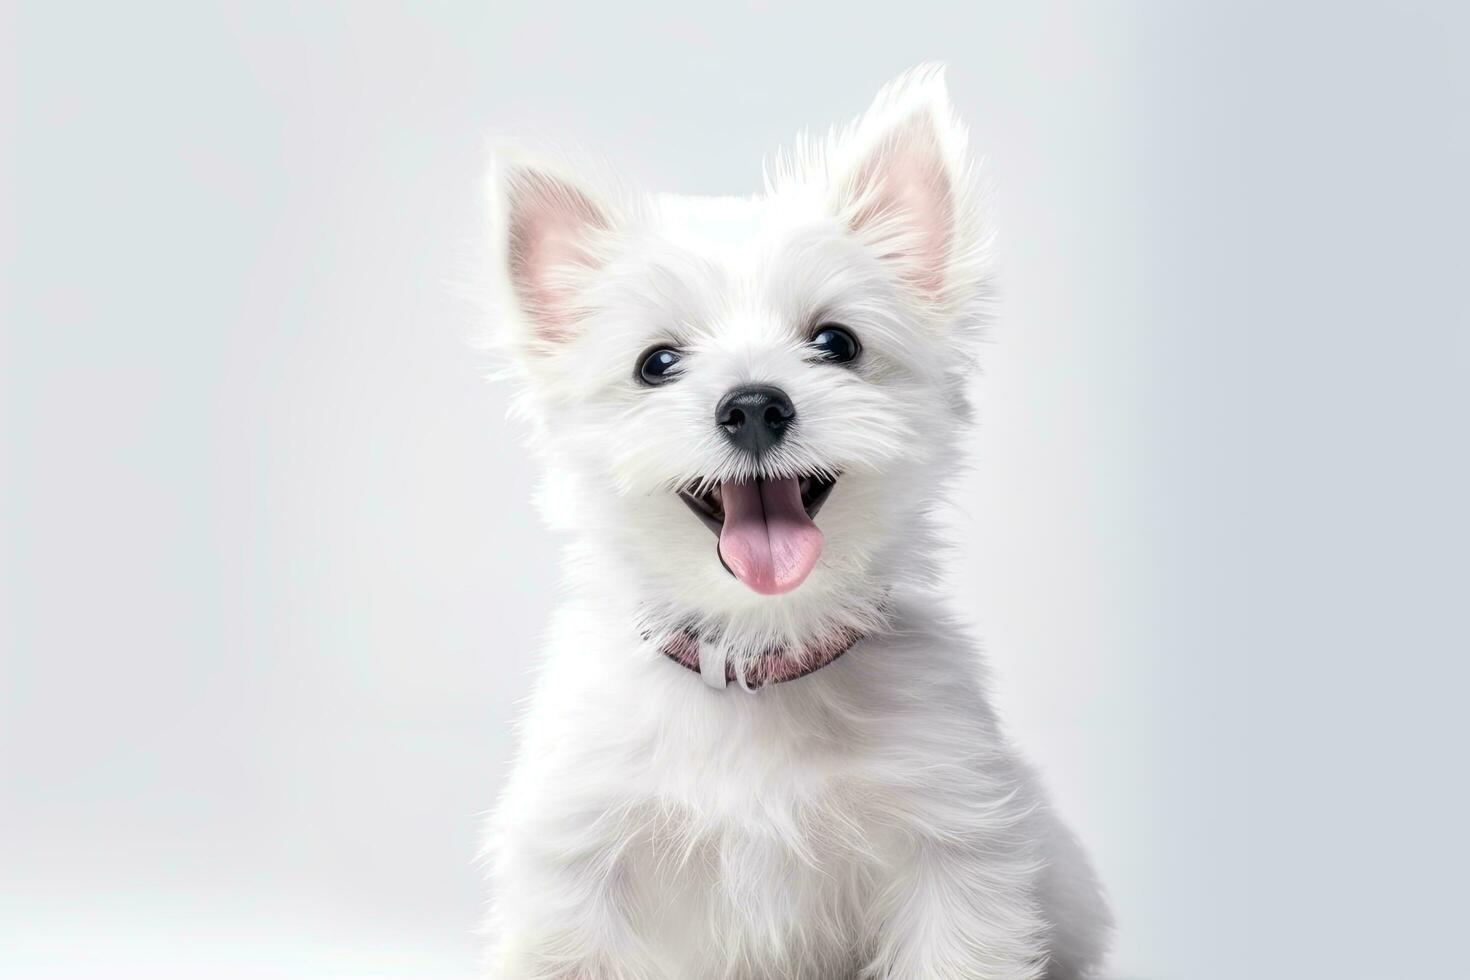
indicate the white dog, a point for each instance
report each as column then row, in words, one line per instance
column 765, row 752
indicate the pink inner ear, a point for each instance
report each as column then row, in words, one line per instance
column 550, row 222
column 905, row 182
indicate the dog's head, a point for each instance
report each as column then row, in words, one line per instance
column 748, row 405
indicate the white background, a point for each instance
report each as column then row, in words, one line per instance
column 272, row 581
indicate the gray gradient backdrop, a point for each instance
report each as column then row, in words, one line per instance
column 272, row 583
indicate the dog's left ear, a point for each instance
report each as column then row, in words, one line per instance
column 901, row 182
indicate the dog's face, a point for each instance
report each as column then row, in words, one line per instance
column 750, row 404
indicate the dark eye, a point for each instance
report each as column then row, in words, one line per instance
column 657, row 366
column 836, row 343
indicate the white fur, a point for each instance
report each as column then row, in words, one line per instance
column 871, row 819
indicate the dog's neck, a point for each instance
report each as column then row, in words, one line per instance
column 760, row 644
column 754, row 653
column 687, row 647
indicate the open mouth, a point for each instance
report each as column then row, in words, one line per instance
column 766, row 536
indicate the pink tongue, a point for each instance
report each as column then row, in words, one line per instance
column 768, row 541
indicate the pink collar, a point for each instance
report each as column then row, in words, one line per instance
column 775, row 665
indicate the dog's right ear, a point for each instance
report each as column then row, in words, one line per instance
column 551, row 235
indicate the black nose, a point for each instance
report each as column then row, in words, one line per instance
column 755, row 417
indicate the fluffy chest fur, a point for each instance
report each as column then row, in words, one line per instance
column 751, row 834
